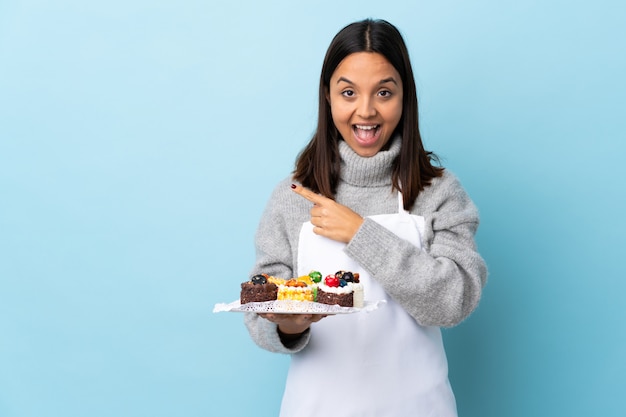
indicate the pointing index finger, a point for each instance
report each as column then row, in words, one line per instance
column 308, row 194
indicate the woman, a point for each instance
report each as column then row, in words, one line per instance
column 366, row 197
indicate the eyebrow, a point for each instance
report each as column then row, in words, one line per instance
column 383, row 81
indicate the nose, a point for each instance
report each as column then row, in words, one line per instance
column 366, row 108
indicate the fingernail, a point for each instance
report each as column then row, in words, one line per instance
column 293, row 186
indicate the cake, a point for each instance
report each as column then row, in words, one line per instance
column 297, row 289
column 343, row 289
column 258, row 289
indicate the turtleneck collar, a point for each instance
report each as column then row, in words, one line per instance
column 372, row 171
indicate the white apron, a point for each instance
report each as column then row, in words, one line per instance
column 379, row 364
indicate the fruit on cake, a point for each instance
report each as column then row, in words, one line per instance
column 258, row 289
column 343, row 289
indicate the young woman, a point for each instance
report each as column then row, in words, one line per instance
column 366, row 197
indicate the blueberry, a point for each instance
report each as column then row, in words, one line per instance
column 348, row 276
column 259, row 280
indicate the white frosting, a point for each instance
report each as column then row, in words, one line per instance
column 336, row 290
column 294, row 289
column 358, row 297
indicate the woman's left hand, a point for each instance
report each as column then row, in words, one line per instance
column 292, row 323
column 329, row 218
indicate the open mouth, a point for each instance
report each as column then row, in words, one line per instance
column 366, row 133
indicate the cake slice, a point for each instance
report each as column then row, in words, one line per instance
column 343, row 289
column 258, row 289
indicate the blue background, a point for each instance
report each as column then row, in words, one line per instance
column 139, row 142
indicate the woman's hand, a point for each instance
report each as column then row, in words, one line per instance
column 292, row 323
column 329, row 218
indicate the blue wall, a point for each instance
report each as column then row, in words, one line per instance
column 139, row 141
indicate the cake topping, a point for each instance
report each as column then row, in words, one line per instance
column 259, row 279
column 275, row 280
column 347, row 276
column 316, row 276
column 332, row 280
column 306, row 279
column 295, row 283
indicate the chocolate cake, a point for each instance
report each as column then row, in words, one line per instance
column 258, row 290
column 340, row 289
column 344, row 300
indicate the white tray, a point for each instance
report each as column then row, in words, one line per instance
column 294, row 307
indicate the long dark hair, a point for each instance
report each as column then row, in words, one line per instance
column 318, row 165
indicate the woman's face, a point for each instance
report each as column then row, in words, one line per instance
column 365, row 97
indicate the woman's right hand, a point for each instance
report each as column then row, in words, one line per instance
column 292, row 324
column 329, row 218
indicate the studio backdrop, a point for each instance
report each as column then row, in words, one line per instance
column 139, row 144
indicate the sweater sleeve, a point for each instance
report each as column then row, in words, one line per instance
column 441, row 283
column 274, row 255
column 265, row 334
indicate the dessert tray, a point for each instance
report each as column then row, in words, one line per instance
column 294, row 307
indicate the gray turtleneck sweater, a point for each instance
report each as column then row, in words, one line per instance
column 439, row 285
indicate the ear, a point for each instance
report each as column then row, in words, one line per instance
column 327, row 93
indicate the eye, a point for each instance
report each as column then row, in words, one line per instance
column 347, row 93
column 385, row 93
